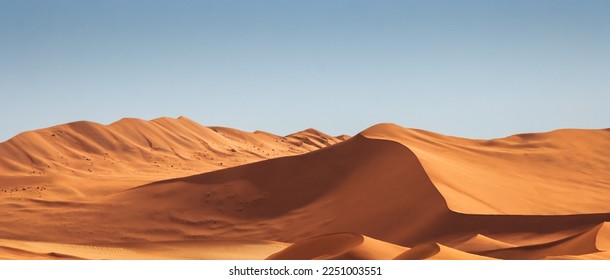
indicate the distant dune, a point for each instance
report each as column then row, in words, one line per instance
column 173, row 189
column 85, row 159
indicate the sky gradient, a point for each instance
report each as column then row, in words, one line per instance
column 476, row 69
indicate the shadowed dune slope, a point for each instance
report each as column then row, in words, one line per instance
column 293, row 198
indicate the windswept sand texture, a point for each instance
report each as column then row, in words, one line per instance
column 173, row 189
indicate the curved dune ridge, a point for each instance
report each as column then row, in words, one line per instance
column 171, row 188
column 508, row 176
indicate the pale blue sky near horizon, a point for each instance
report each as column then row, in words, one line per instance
column 476, row 69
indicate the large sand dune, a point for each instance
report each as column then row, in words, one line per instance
column 171, row 188
column 88, row 159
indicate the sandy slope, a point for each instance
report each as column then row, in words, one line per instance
column 179, row 250
column 387, row 193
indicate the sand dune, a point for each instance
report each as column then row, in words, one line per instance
column 84, row 159
column 435, row 251
column 479, row 243
column 508, row 176
column 594, row 240
column 339, row 246
column 167, row 185
column 308, row 195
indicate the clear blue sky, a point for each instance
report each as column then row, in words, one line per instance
column 478, row 69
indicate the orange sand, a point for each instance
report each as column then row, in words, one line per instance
column 173, row 189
